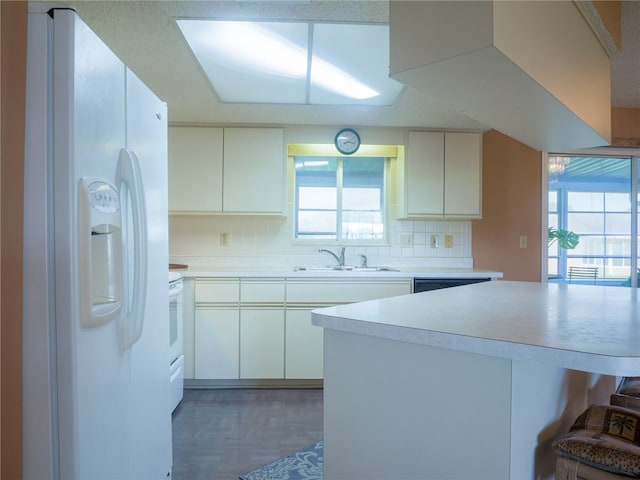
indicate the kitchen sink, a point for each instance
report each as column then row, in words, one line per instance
column 346, row 268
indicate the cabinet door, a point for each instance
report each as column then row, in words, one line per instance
column 304, row 345
column 217, row 343
column 463, row 174
column 195, row 170
column 262, row 343
column 425, row 174
column 254, row 171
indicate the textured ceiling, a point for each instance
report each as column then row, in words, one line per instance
column 625, row 66
column 145, row 36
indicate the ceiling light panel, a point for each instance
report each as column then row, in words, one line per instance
column 361, row 52
column 251, row 62
column 267, row 62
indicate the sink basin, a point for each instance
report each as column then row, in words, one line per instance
column 346, row 268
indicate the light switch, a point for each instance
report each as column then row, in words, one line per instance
column 523, row 241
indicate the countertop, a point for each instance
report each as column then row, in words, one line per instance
column 290, row 272
column 589, row 328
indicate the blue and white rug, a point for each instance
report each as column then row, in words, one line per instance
column 305, row 464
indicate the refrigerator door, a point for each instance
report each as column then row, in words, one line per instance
column 151, row 418
column 93, row 391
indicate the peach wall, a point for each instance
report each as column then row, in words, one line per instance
column 610, row 12
column 13, row 31
column 511, row 206
column 625, row 127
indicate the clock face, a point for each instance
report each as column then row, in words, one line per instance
column 347, row 141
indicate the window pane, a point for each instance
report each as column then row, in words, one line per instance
column 618, row 223
column 553, row 200
column 552, row 268
column 589, row 245
column 586, row 201
column 362, row 225
column 361, row 199
column 363, row 172
column 617, row 202
column 317, row 222
column 586, row 222
column 322, row 198
column 619, row 246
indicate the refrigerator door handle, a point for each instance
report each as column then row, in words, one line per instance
column 130, row 180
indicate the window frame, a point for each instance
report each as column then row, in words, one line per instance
column 605, row 259
column 387, row 152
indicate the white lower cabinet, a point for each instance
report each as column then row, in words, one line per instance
column 261, row 328
column 262, row 343
column 217, row 343
column 304, row 345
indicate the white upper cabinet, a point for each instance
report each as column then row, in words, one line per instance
column 443, row 175
column 425, row 174
column 462, row 174
column 234, row 171
column 195, row 170
column 254, row 171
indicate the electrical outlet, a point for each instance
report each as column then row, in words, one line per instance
column 433, row 241
column 523, row 241
column 448, row 241
column 224, row 239
column 406, row 240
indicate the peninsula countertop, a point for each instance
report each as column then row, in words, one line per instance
column 588, row 328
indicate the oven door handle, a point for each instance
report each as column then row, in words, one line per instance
column 175, row 289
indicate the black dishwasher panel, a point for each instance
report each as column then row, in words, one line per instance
column 426, row 284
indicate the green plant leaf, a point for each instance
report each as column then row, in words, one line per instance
column 566, row 239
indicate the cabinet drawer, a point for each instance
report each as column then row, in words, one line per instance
column 262, row 291
column 217, row 291
column 310, row 292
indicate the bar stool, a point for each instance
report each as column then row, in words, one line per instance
column 602, row 444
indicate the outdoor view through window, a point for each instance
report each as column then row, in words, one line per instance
column 340, row 198
column 591, row 220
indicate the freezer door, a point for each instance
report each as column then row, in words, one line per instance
column 92, row 370
column 96, row 407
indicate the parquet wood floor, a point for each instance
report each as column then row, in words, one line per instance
column 221, row 434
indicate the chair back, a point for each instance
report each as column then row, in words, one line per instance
column 583, row 273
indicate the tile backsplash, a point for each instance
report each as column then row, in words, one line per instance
column 268, row 241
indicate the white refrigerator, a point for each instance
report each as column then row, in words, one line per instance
column 96, row 326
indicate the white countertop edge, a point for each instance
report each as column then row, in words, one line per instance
column 582, row 361
column 290, row 273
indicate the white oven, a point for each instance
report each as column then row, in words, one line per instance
column 176, row 356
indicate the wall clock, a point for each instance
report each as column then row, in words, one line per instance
column 347, row 141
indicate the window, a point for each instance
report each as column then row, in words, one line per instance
column 592, row 197
column 340, row 198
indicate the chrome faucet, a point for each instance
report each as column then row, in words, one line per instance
column 339, row 259
column 364, row 261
